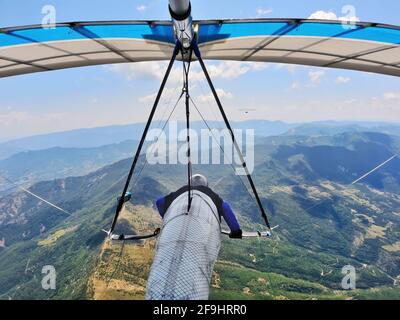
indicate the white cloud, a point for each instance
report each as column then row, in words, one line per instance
column 295, row 85
column 222, row 94
column 316, row 76
column 155, row 70
column 233, row 69
column 261, row 12
column 350, row 101
column 168, row 92
column 147, row 98
column 329, row 15
column 342, row 80
column 141, row 8
column 291, row 68
column 148, row 71
column 143, row 70
column 323, row 15
column 13, row 117
column 295, row 108
column 391, row 95
column 226, row 70
column 18, row 118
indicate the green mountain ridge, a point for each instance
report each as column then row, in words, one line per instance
column 324, row 224
column 59, row 162
column 97, row 137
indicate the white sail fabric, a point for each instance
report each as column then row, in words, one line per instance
column 186, row 250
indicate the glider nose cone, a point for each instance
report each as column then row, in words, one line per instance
column 180, row 11
column 179, row 7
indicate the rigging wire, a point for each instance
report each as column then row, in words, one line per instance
column 217, row 182
column 140, row 172
column 222, row 149
column 36, row 196
column 208, row 103
column 358, row 180
column 218, row 128
column 186, row 71
column 145, row 163
column 228, row 125
column 58, row 207
column 375, row 169
column 185, row 90
column 166, row 104
column 143, row 138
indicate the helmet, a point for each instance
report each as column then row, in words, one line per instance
column 199, row 180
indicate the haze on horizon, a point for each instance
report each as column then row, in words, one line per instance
column 123, row 94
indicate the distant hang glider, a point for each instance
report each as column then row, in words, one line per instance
column 369, row 47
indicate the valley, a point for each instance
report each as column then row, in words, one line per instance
column 325, row 223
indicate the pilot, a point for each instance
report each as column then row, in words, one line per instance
column 200, row 183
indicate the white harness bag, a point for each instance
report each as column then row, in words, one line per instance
column 186, row 251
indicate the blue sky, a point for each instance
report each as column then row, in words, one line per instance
column 105, row 95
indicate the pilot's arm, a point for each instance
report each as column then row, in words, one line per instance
column 160, row 203
column 230, row 218
column 163, row 203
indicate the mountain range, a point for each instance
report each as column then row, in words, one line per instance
column 57, row 162
column 305, row 183
column 96, row 137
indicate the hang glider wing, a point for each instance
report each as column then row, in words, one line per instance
column 365, row 46
column 34, row 49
